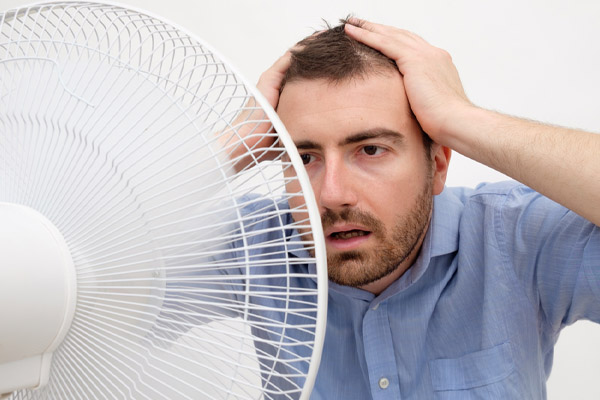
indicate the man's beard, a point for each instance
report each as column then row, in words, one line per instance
column 360, row 267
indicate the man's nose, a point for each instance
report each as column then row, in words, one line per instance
column 338, row 186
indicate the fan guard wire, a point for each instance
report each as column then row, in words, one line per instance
column 118, row 127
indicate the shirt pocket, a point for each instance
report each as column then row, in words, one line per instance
column 475, row 375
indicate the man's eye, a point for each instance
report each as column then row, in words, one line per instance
column 372, row 150
column 306, row 158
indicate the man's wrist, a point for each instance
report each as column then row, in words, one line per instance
column 456, row 129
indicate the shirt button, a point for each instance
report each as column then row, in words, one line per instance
column 384, row 383
column 375, row 307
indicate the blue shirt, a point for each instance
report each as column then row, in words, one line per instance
column 501, row 271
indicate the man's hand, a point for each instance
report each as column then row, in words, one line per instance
column 432, row 84
column 255, row 134
column 557, row 162
column 269, row 82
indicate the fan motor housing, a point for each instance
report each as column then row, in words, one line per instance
column 37, row 294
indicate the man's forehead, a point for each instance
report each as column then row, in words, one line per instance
column 355, row 79
column 374, row 89
column 321, row 112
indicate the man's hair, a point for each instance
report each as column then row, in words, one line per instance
column 332, row 55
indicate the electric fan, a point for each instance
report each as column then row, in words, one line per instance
column 147, row 250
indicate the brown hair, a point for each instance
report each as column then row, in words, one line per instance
column 331, row 54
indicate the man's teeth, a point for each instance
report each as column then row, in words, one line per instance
column 348, row 234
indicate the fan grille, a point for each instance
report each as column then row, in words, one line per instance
column 120, row 129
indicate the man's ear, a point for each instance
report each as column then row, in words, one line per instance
column 440, row 159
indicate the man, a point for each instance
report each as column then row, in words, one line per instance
column 435, row 292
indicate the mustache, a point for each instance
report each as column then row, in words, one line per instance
column 352, row 216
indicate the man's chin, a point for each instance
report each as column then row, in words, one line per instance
column 347, row 268
column 340, row 257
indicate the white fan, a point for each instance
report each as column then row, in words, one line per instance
column 135, row 262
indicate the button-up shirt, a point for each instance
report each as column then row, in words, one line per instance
column 501, row 271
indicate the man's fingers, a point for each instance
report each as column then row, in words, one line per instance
column 395, row 43
column 371, row 26
column 383, row 43
column 282, row 63
column 269, row 82
column 363, row 23
column 382, row 29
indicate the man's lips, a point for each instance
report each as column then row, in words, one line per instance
column 346, row 237
column 336, row 229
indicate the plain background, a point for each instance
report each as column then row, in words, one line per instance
column 536, row 59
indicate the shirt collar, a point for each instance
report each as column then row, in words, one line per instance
column 443, row 230
column 441, row 237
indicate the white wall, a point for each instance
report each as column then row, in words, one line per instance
column 539, row 59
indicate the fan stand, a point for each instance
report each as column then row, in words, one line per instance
column 38, row 289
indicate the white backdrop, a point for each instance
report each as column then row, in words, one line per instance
column 537, row 59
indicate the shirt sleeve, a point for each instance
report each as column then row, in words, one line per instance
column 245, row 256
column 555, row 253
column 205, row 279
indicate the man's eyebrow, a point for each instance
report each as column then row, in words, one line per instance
column 308, row 145
column 375, row 133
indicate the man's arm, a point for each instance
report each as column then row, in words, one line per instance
column 557, row 162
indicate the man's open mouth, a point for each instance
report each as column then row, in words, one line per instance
column 349, row 234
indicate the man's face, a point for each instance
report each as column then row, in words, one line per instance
column 373, row 182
